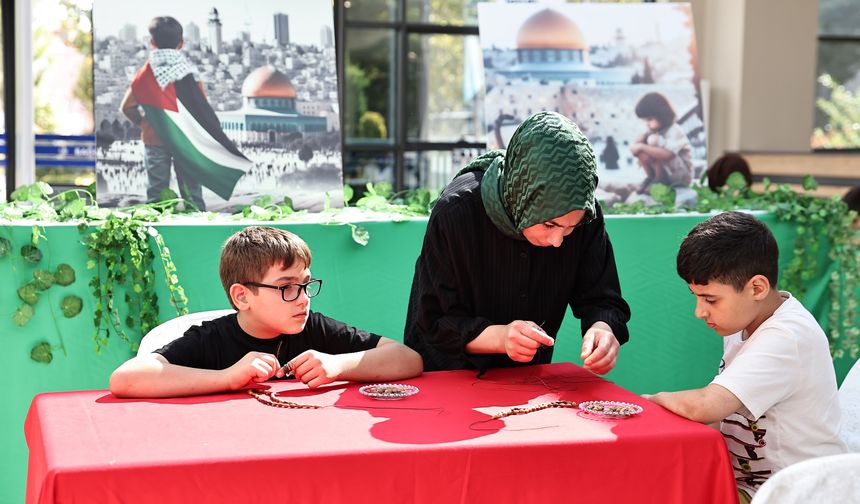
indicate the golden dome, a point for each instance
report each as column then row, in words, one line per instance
column 267, row 82
column 549, row 29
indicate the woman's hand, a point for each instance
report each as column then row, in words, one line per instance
column 599, row 348
column 521, row 340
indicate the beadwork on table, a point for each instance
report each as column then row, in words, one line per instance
column 610, row 409
column 531, row 409
column 388, row 391
column 270, row 398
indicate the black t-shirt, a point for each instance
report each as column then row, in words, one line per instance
column 470, row 276
column 220, row 343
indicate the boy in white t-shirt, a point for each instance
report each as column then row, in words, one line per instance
column 775, row 394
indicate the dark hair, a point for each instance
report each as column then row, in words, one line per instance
column 247, row 255
column 729, row 248
column 724, row 166
column 657, row 106
column 166, row 32
column 852, row 199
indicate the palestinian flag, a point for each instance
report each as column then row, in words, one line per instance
column 189, row 129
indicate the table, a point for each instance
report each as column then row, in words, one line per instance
column 440, row 445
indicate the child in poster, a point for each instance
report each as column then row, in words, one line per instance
column 178, row 125
column 663, row 151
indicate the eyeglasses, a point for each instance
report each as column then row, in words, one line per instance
column 290, row 292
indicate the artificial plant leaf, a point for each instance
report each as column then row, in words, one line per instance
column 29, row 293
column 41, row 352
column 736, row 181
column 264, row 200
column 43, row 279
column 65, row 275
column 384, row 189
column 31, row 254
column 373, row 202
column 23, row 314
column 360, row 235
column 71, row 305
column 663, row 194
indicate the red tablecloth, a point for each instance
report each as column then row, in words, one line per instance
column 91, row 447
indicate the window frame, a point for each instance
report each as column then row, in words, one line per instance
column 839, row 39
column 402, row 30
column 8, row 27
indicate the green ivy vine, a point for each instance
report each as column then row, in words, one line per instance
column 378, row 198
column 118, row 247
column 816, row 219
column 119, row 251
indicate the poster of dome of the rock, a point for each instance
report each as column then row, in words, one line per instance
column 626, row 74
column 219, row 103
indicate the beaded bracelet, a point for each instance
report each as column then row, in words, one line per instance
column 269, row 398
column 536, row 407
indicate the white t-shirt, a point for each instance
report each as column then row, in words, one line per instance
column 783, row 374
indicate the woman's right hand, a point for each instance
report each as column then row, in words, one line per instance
column 523, row 338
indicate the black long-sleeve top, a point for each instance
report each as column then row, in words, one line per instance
column 470, row 276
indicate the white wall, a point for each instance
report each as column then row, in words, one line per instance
column 759, row 57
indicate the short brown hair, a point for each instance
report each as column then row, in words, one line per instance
column 247, row 255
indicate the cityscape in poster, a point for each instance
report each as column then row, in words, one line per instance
column 245, row 105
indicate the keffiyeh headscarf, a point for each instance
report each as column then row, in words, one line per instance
column 170, row 65
column 547, row 171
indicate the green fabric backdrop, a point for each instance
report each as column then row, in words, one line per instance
column 365, row 286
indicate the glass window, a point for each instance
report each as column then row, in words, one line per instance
column 445, row 106
column 369, row 88
column 435, row 169
column 63, row 92
column 840, row 60
column 837, row 106
column 371, row 10
column 452, row 12
column 359, row 168
column 839, row 17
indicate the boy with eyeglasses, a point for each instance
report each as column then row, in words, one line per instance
column 266, row 275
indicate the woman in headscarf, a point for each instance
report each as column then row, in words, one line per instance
column 515, row 238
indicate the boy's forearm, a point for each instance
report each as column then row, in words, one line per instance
column 675, row 402
column 147, row 377
column 391, row 361
column 706, row 405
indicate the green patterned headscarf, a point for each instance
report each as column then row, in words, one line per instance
column 547, row 171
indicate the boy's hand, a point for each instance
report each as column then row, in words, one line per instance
column 599, row 348
column 316, row 368
column 254, row 367
column 522, row 340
